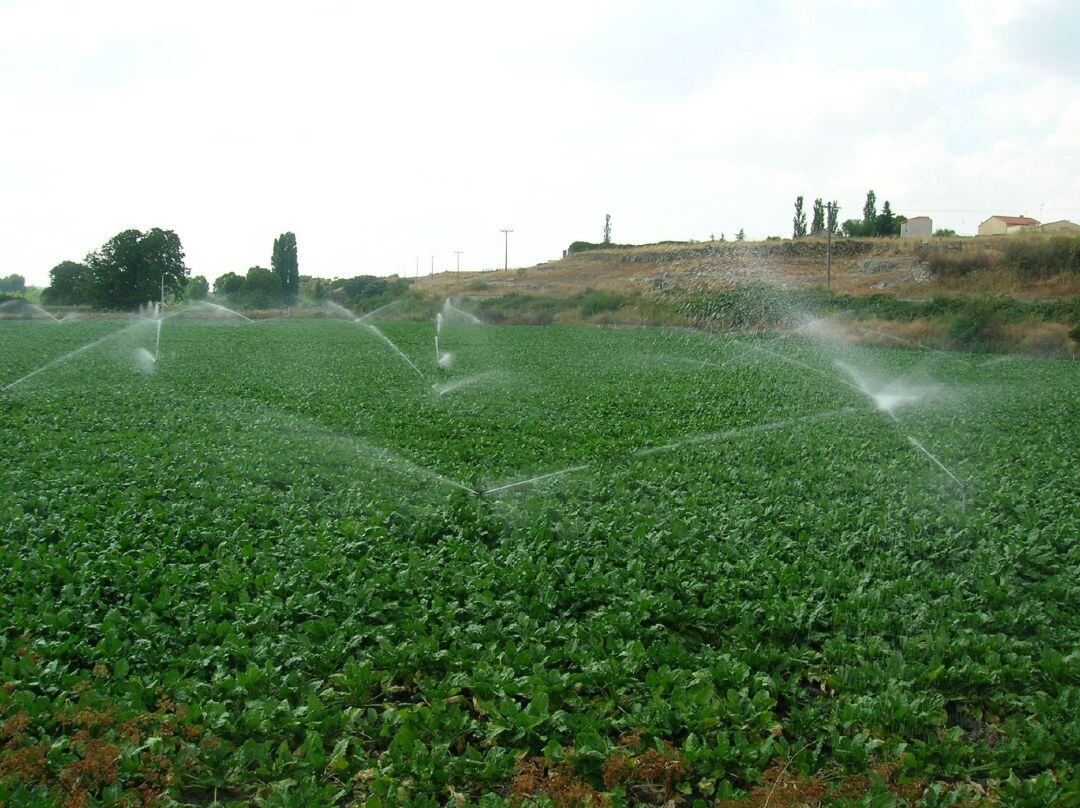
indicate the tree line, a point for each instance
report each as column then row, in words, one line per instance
column 262, row 288
column 134, row 267
column 884, row 224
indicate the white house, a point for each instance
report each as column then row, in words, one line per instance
column 917, row 226
column 1063, row 227
column 1007, row 225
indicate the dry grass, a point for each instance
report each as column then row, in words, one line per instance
column 1039, row 339
column 786, row 264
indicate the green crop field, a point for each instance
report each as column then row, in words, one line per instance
column 279, row 565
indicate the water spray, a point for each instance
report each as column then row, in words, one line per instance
column 71, row 355
column 397, row 350
column 206, row 304
column 963, row 485
column 438, row 330
column 157, row 336
column 25, row 305
column 481, row 491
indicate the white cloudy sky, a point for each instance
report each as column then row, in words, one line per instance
column 382, row 131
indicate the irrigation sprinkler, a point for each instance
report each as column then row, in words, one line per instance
column 962, row 483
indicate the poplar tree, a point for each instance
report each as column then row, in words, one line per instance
column 833, row 209
column 869, row 214
column 283, row 263
column 818, row 225
column 800, row 219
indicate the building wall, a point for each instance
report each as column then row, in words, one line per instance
column 1061, row 228
column 1014, row 229
column 917, row 227
column 992, row 227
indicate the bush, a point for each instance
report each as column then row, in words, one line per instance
column 1042, row 257
column 593, row 302
column 973, row 326
column 957, row 264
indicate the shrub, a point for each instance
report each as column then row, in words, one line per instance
column 972, row 327
column 957, row 264
column 1035, row 258
column 593, row 302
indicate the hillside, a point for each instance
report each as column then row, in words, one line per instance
column 990, row 294
column 903, row 267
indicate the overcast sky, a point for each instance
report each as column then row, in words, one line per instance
column 379, row 132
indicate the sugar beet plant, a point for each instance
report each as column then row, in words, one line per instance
column 279, row 567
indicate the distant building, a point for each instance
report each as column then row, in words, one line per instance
column 917, row 226
column 1061, row 228
column 1007, row 225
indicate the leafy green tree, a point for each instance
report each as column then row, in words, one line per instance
column 228, row 284
column 607, row 228
column 856, row 227
column 945, row 232
column 818, row 225
column 197, row 288
column 130, row 268
column 261, row 289
column 800, row 219
column 70, row 284
column 316, row 289
column 869, row 214
column 741, row 235
column 887, row 224
column 12, row 283
column 283, row 262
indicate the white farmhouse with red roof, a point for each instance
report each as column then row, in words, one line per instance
column 1007, row 225
column 917, row 226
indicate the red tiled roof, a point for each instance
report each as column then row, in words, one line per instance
column 1014, row 220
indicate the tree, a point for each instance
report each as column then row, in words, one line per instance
column 818, row 225
column 261, row 289
column 607, row 228
column 70, row 284
column 945, row 232
column 800, row 219
column 197, row 288
column 284, row 264
column 855, row 227
column 740, row 236
column 869, row 213
column 887, row 224
column 833, row 211
column 316, row 290
column 12, row 283
column 228, row 284
column 131, row 267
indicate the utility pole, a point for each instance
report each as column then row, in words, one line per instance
column 830, row 217
column 506, row 247
column 418, row 266
column 433, row 265
column 458, row 254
